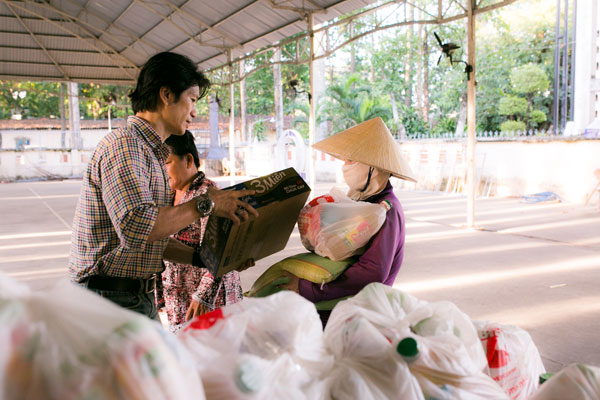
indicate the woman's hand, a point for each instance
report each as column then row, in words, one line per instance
column 196, row 308
column 229, row 205
column 293, row 284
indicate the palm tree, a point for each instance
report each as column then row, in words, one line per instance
column 351, row 103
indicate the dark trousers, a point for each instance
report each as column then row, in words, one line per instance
column 139, row 302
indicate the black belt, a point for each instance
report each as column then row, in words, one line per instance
column 99, row 282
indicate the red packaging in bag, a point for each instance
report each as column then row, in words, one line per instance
column 513, row 359
column 337, row 227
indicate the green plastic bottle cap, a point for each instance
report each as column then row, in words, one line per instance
column 545, row 376
column 247, row 377
column 408, row 347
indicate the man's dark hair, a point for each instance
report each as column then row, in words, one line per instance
column 172, row 70
column 182, row 145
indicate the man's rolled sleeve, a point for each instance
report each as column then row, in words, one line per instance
column 126, row 193
column 136, row 226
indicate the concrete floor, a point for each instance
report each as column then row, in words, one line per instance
column 536, row 266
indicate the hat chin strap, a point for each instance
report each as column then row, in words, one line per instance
column 376, row 182
column 368, row 180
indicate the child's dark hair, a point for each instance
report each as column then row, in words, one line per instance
column 172, row 70
column 184, row 145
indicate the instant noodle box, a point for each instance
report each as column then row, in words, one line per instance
column 278, row 199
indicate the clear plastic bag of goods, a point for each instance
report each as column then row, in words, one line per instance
column 309, row 266
column 396, row 314
column 365, row 368
column 260, row 348
column 337, row 227
column 391, row 315
column 574, row 382
column 69, row 343
column 444, row 370
column 513, row 359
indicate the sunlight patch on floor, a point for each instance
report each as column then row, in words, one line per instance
column 569, row 265
column 544, row 313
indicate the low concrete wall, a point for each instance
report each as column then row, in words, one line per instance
column 42, row 164
column 503, row 168
column 49, row 139
column 508, row 168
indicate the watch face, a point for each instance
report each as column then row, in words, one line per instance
column 204, row 206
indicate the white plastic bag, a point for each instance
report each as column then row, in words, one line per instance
column 382, row 315
column 69, row 343
column 396, row 314
column 513, row 359
column 337, row 227
column 444, row 370
column 574, row 382
column 260, row 348
column 365, row 367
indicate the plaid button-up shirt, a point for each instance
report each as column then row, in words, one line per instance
column 124, row 184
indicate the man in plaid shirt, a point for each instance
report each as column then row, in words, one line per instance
column 124, row 216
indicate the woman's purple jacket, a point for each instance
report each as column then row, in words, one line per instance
column 380, row 263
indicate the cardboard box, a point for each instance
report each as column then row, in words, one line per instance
column 278, row 199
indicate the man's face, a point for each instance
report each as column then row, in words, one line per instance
column 179, row 114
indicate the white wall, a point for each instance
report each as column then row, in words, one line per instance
column 34, row 164
column 503, row 168
column 50, row 139
column 509, row 168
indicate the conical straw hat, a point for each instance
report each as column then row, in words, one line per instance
column 370, row 143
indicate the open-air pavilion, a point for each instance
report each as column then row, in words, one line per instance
column 107, row 42
column 94, row 41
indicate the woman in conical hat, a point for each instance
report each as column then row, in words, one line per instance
column 371, row 157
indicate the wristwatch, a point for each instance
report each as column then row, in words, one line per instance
column 204, row 205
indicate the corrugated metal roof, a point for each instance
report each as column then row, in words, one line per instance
column 108, row 40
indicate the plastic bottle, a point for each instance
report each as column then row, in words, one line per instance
column 238, row 378
column 248, row 377
column 438, row 368
column 408, row 348
column 545, row 376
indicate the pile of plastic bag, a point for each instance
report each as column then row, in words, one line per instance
column 68, row 343
column 260, row 348
column 364, row 332
column 336, row 227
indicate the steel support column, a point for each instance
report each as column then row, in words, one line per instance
column 231, row 121
column 310, row 159
column 471, row 116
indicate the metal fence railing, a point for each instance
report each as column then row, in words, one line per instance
column 503, row 135
column 486, row 135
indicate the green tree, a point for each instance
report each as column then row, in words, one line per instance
column 537, row 117
column 516, row 35
column 29, row 99
column 529, row 80
column 350, row 103
column 389, row 75
column 299, row 111
column 95, row 101
column 512, row 126
column 447, row 82
column 512, row 106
